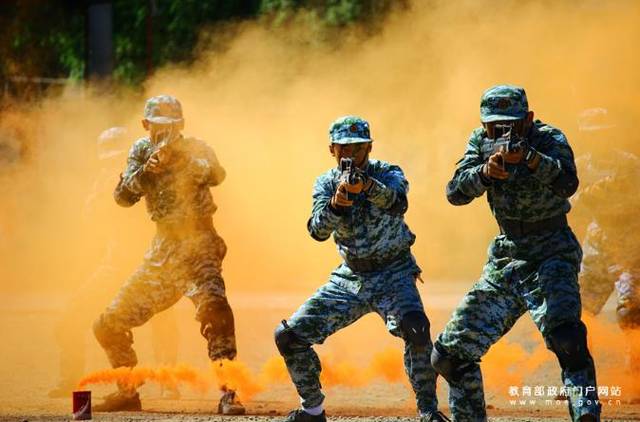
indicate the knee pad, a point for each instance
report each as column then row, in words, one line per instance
column 450, row 367
column 216, row 319
column 415, row 328
column 109, row 337
column 569, row 342
column 288, row 341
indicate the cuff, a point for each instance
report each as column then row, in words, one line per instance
column 486, row 181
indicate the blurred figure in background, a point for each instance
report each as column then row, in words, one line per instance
column 607, row 210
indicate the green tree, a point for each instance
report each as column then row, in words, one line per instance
column 331, row 12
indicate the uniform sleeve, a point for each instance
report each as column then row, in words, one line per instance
column 596, row 280
column 557, row 166
column 213, row 172
column 389, row 191
column 468, row 182
column 133, row 180
column 324, row 219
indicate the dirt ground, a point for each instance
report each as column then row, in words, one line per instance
column 30, row 365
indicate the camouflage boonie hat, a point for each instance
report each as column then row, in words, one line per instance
column 349, row 130
column 163, row 109
column 503, row 102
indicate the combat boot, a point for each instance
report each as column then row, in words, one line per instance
column 300, row 415
column 119, row 402
column 230, row 405
column 434, row 417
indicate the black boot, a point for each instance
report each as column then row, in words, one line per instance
column 300, row 415
column 434, row 417
column 230, row 405
column 119, row 402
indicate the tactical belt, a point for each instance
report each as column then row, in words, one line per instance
column 366, row 265
column 519, row 228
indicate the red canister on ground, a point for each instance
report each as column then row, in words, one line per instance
column 81, row 405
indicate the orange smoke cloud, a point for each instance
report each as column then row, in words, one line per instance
column 613, row 350
column 236, row 375
column 133, row 377
column 506, row 364
column 387, row 365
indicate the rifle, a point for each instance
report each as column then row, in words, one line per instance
column 506, row 139
column 165, row 138
column 350, row 174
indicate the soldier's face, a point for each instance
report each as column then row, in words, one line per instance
column 359, row 152
column 521, row 127
column 159, row 132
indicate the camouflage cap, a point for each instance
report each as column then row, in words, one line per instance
column 163, row 109
column 503, row 102
column 349, row 130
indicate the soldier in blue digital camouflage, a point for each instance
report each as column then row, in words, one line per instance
column 527, row 169
column 365, row 214
column 610, row 196
column 174, row 173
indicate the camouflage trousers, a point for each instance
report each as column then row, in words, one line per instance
column 347, row 296
column 537, row 274
column 81, row 312
column 189, row 265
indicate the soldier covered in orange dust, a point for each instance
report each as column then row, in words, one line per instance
column 174, row 173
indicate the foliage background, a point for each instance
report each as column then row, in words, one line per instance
column 47, row 39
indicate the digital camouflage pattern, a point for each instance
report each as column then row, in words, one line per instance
column 535, row 273
column 185, row 256
column 179, row 194
column 503, row 102
column 163, row 109
column 349, row 130
column 373, row 229
column 173, row 267
column 526, row 195
column 342, row 301
column 374, row 226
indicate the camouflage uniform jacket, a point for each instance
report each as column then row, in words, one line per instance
column 527, row 195
column 374, row 227
column 181, row 192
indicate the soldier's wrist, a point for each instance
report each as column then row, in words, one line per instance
column 335, row 209
column 484, row 175
column 532, row 159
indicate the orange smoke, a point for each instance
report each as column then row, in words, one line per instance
column 167, row 376
column 237, row 376
column 506, row 364
column 387, row 365
column 612, row 350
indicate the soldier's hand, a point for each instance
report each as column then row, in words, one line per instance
column 355, row 188
column 156, row 162
column 340, row 198
column 494, row 167
column 513, row 156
